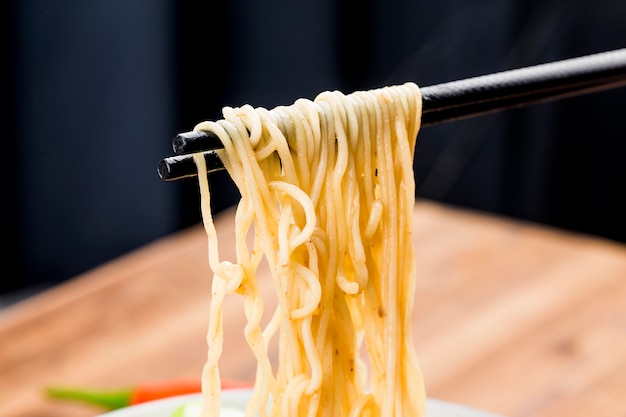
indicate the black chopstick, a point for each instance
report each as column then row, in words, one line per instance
column 183, row 166
column 521, row 87
column 457, row 100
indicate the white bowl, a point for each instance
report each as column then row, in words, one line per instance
column 238, row 398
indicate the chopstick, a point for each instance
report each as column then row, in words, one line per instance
column 455, row 100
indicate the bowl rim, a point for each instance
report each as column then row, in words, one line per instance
column 235, row 397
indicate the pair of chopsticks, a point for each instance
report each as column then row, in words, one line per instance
column 455, row 100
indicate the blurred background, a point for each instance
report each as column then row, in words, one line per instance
column 94, row 91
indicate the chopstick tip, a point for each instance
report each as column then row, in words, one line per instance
column 195, row 141
column 164, row 170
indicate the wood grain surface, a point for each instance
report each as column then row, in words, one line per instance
column 510, row 317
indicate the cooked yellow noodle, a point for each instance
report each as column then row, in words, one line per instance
column 327, row 188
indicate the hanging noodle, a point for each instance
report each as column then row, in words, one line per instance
column 327, row 186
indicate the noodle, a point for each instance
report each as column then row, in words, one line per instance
column 327, row 189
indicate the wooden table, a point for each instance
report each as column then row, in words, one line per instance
column 510, row 317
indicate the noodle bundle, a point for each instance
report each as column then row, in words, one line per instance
column 327, row 192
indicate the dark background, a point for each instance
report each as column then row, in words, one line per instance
column 93, row 92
